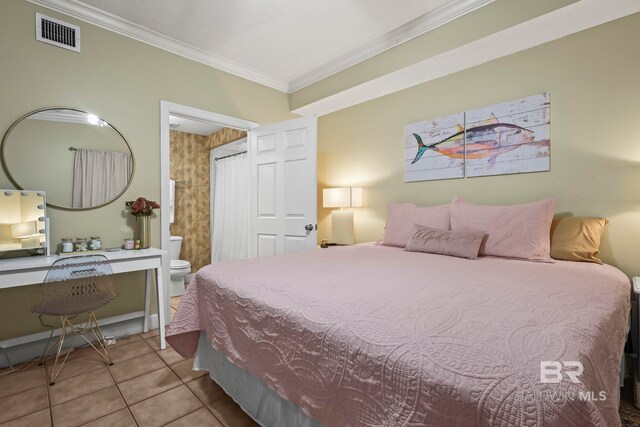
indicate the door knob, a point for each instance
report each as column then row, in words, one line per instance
column 308, row 227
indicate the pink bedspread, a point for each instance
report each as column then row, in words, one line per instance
column 375, row 336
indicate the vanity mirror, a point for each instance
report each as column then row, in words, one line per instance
column 78, row 158
column 23, row 222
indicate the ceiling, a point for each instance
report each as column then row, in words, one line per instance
column 190, row 125
column 564, row 21
column 290, row 43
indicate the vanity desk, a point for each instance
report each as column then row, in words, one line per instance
column 32, row 270
column 95, row 155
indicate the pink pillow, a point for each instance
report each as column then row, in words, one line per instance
column 443, row 242
column 516, row 231
column 402, row 216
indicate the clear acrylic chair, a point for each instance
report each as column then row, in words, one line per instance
column 73, row 288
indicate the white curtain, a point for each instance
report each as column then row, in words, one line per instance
column 231, row 209
column 99, row 176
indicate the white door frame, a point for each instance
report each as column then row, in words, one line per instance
column 166, row 109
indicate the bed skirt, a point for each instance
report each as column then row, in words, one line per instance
column 261, row 403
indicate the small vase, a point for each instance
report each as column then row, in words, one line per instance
column 144, row 231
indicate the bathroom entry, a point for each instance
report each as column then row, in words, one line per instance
column 190, row 145
column 282, row 186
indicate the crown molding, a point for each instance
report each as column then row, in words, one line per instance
column 124, row 27
column 421, row 25
column 140, row 33
column 560, row 23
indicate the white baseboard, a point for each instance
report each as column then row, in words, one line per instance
column 29, row 347
column 153, row 322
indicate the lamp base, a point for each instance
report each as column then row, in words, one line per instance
column 342, row 227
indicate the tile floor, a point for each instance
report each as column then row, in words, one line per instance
column 173, row 305
column 146, row 386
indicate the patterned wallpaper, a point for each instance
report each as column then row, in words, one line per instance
column 189, row 158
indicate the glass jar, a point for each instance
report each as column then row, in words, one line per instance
column 128, row 244
column 95, row 244
column 66, row 246
column 81, row 245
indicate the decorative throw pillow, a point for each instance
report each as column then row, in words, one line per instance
column 576, row 238
column 516, row 231
column 444, row 242
column 402, row 216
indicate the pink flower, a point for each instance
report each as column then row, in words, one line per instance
column 142, row 206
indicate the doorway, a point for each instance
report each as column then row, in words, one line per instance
column 282, row 181
column 190, row 119
column 190, row 198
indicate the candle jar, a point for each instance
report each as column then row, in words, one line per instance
column 95, row 244
column 128, row 244
column 81, row 245
column 66, row 246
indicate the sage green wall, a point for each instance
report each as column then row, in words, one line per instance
column 487, row 20
column 123, row 81
column 595, row 137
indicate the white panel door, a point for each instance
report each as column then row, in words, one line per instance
column 283, row 187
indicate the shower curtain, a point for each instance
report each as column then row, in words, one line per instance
column 231, row 209
column 99, row 176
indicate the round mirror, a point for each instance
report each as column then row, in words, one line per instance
column 78, row 158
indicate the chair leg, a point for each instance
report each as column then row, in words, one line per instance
column 55, row 371
column 66, row 329
column 46, row 347
column 100, row 338
column 90, row 326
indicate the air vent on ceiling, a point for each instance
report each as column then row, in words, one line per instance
column 58, row 33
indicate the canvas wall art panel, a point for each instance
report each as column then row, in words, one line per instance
column 507, row 138
column 434, row 149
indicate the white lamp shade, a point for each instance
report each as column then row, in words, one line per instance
column 356, row 197
column 24, row 230
column 336, row 197
column 348, row 197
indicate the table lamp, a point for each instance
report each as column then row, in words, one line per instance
column 342, row 220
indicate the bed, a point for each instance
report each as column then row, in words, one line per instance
column 370, row 335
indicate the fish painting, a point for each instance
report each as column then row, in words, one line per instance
column 507, row 138
column 488, row 140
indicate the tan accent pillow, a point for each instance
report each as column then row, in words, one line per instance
column 575, row 238
column 443, row 242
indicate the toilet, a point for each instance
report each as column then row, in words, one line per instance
column 179, row 268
